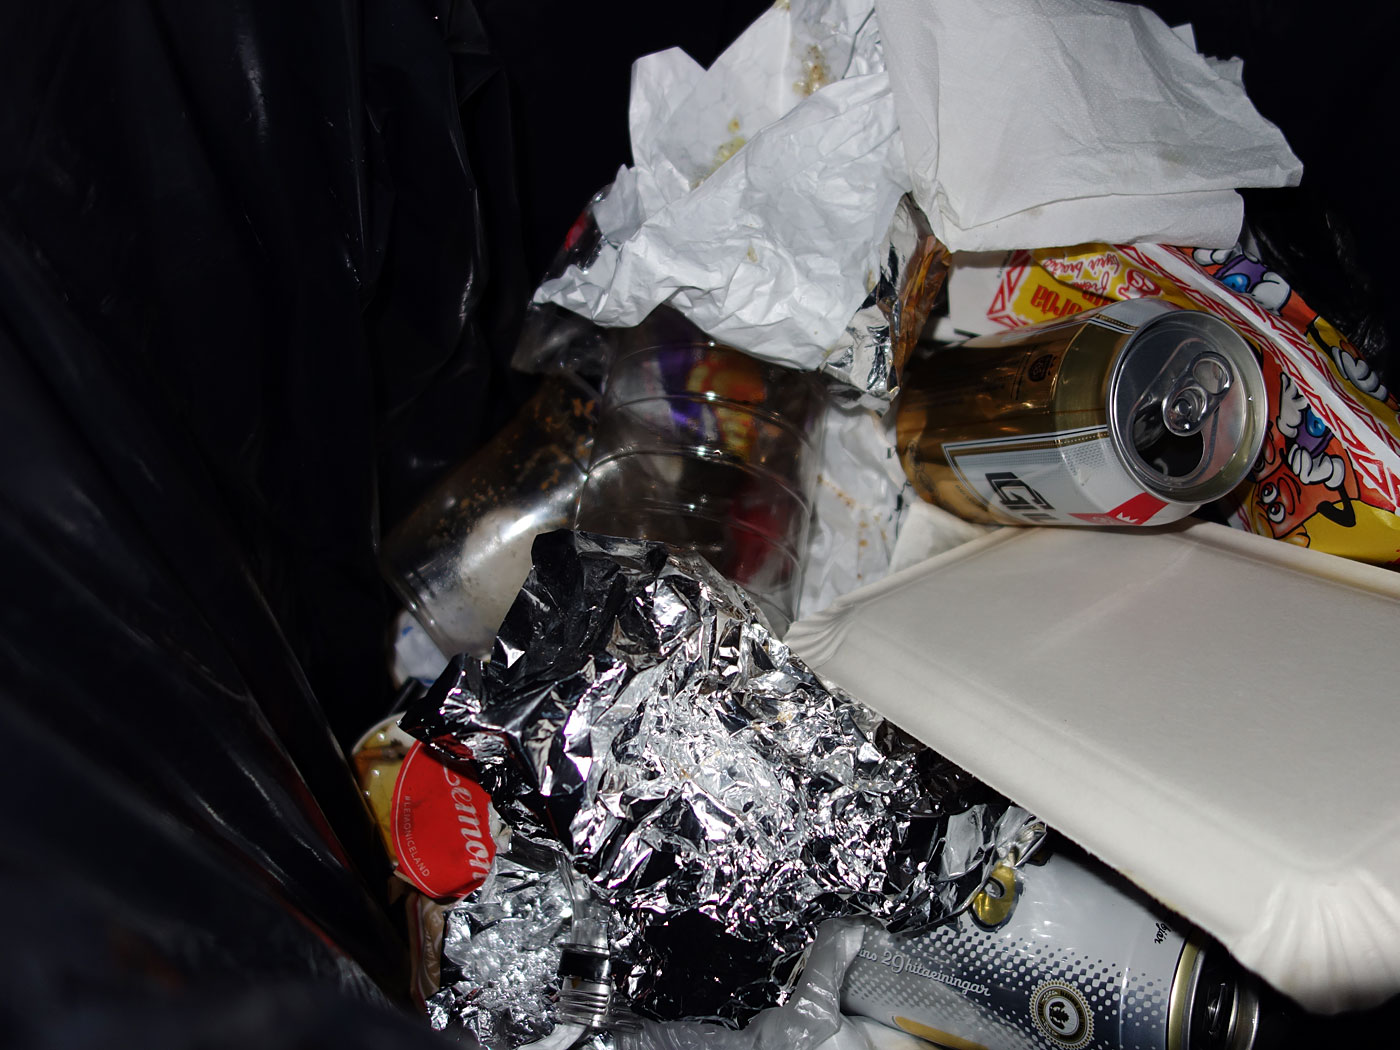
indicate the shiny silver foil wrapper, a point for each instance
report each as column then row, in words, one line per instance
column 500, row 957
column 638, row 717
column 868, row 356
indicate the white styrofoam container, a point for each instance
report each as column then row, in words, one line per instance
column 1211, row 712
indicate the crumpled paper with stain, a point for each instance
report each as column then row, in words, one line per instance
column 867, row 520
column 860, row 501
column 763, row 194
column 763, row 191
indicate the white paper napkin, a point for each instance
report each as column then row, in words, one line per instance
column 762, row 188
column 1035, row 123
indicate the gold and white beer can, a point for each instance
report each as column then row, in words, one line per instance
column 1053, row 956
column 1136, row 413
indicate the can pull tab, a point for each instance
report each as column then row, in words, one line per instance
column 1196, row 394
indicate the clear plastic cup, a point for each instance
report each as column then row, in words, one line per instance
column 710, row 450
column 458, row 560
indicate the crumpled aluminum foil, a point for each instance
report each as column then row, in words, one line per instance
column 868, row 356
column 638, row 717
column 500, row 957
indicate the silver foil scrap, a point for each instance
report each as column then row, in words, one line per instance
column 867, row 357
column 500, row 957
column 638, row 717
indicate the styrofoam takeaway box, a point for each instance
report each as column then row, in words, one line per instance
column 1211, row 712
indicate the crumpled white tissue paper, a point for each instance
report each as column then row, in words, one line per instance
column 762, row 190
column 1038, row 123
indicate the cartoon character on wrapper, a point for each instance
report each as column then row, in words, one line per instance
column 1304, row 482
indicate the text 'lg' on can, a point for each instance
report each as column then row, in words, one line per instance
column 1135, row 413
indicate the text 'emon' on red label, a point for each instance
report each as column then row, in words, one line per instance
column 442, row 830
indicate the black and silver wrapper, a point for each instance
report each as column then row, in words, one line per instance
column 638, row 718
column 1053, row 956
column 500, row 958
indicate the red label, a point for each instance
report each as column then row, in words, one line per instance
column 442, row 832
column 576, row 230
column 1136, row 511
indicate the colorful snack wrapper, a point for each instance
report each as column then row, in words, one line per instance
column 1329, row 473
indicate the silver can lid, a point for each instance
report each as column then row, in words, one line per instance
column 1187, row 408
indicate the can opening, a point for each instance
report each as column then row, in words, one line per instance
column 1171, row 454
column 1186, row 406
column 1224, row 1011
column 1197, row 393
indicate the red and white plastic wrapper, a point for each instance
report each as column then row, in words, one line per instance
column 443, row 825
column 437, row 824
column 1329, row 473
column 443, row 839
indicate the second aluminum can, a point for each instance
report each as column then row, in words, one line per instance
column 1136, row 413
column 1051, row 956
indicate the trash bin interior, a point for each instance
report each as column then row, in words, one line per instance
column 262, row 268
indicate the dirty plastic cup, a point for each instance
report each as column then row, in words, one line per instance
column 458, row 560
column 710, row 450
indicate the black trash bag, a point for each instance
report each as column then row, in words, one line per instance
column 260, row 272
column 239, row 243
column 264, row 219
